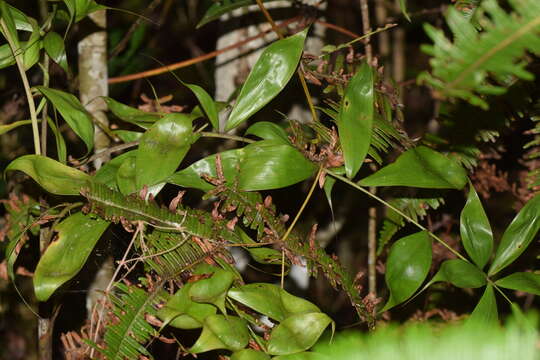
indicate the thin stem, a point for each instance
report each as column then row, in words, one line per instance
column 366, row 27
column 500, row 291
column 227, row 136
column 372, row 246
column 31, row 105
column 401, row 213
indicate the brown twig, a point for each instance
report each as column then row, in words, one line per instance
column 366, row 28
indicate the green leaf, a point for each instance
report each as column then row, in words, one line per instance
column 517, row 236
column 407, row 266
column 132, row 115
column 79, row 9
column 32, row 49
column 50, row 174
column 269, row 165
column 355, row 119
column 73, row 113
column 220, row 332
column 420, row 167
column 5, row 128
column 107, row 173
column 54, row 46
column 306, row 355
column 127, row 135
column 65, row 256
column 219, row 8
column 485, row 314
column 297, row 333
column 61, row 150
column 7, row 13
column 403, row 7
column 162, row 148
column 213, row 290
column 6, row 56
column 206, row 101
column 264, row 255
column 521, row 281
column 249, row 354
column 183, row 313
column 268, row 131
column 460, row 273
column 268, row 77
column 125, row 176
column 476, row 234
column 271, row 300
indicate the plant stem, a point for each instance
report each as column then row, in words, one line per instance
column 18, row 55
column 227, row 136
column 366, row 27
column 372, row 246
column 401, row 213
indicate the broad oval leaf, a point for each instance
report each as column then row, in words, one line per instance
column 517, row 236
column 461, row 274
column 73, row 113
column 249, row 354
column 183, row 313
column 54, row 46
column 521, row 281
column 485, row 313
column 220, row 332
column 476, row 234
column 420, row 167
column 271, row 300
column 268, row 131
column 125, row 175
column 108, row 172
column 162, row 148
column 269, row 165
column 297, row 333
column 268, row 77
column 50, row 174
column 407, row 266
column 65, row 256
column 223, row 7
column 355, row 119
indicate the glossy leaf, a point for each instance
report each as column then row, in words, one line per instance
column 162, row 148
column 8, row 14
column 460, row 273
column 355, row 119
column 223, row 7
column 407, row 266
column 125, row 176
column 220, row 332
column 132, row 115
column 127, row 135
column 517, row 236
column 306, row 355
column 50, row 174
column 249, row 354
column 271, row 300
column 420, row 167
column 78, row 9
column 268, row 77
column 183, row 313
column 297, row 333
column 32, row 49
column 213, row 290
column 207, row 103
column 485, row 313
column 8, row 127
column 271, row 165
column 268, row 131
column 107, row 173
column 476, row 234
column 54, row 46
column 73, row 113
column 521, row 281
column 65, row 256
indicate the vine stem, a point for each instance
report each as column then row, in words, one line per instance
column 31, row 104
column 401, row 213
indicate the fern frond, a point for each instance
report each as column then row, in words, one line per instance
column 461, row 69
column 129, row 330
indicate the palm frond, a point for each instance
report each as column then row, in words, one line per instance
column 479, row 63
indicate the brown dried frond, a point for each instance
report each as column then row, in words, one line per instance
column 488, row 178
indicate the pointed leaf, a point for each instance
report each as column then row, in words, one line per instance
column 403, row 7
column 407, row 266
column 249, row 354
column 132, row 115
column 220, row 332
column 517, row 236
column 50, row 174
column 420, row 167
column 183, row 313
column 475, row 230
column 223, row 7
column 213, row 290
column 485, row 314
column 521, row 281
column 54, row 46
column 271, row 300
column 5, row 128
column 8, row 14
column 461, row 274
column 269, row 165
column 79, row 9
column 73, row 113
column 268, row 131
column 207, row 103
column 355, row 119
column 65, row 256
column 61, row 150
column 297, row 333
column 268, row 77
column 32, row 49
column 162, row 148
